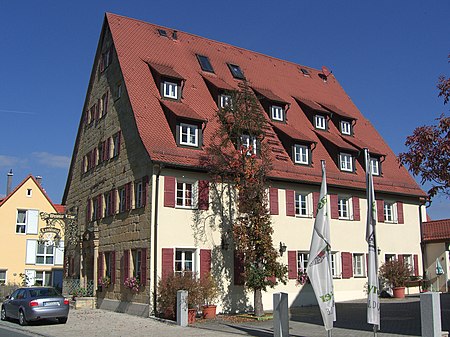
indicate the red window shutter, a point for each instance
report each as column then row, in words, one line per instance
column 316, row 197
column 205, row 262
column 273, row 198
column 167, row 262
column 292, row 265
column 400, row 258
column 239, row 277
column 144, row 266
column 380, row 210
column 290, row 203
column 416, row 265
column 400, row 217
column 128, row 196
column 347, row 266
column 169, row 191
column 113, row 267
column 100, row 268
column 334, row 206
column 356, row 209
column 126, row 264
column 144, row 190
column 203, row 194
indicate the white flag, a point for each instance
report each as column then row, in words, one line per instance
column 373, row 300
column 319, row 265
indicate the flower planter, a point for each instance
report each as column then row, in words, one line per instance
column 399, row 292
column 209, row 311
column 191, row 315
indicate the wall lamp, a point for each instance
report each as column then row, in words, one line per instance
column 282, row 248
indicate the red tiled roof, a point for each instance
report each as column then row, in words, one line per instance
column 335, row 109
column 182, row 110
column 292, row 133
column 336, row 140
column 165, row 70
column 269, row 95
column 277, row 76
column 218, row 83
column 438, row 230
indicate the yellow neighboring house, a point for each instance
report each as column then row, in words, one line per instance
column 20, row 226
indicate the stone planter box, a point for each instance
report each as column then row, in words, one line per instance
column 83, row 303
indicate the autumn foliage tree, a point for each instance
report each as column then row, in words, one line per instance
column 239, row 156
column 428, row 152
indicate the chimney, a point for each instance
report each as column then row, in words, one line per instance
column 174, row 35
column 9, row 182
column 39, row 180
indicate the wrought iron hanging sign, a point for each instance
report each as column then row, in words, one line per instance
column 52, row 235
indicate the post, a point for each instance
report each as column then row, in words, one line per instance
column 182, row 308
column 430, row 314
column 280, row 315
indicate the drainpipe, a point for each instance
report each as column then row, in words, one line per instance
column 154, row 234
column 9, row 182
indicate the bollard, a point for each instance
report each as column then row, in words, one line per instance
column 430, row 314
column 280, row 315
column 182, row 308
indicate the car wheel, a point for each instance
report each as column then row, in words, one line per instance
column 62, row 320
column 22, row 320
column 3, row 314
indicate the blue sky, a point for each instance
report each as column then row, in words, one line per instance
column 386, row 54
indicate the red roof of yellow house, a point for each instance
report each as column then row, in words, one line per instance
column 437, row 230
column 142, row 51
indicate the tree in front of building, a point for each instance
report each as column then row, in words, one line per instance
column 239, row 156
column 428, row 152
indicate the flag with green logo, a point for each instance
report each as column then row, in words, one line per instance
column 319, row 265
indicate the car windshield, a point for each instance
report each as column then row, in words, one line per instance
column 49, row 292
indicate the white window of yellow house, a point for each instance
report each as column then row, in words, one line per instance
column 358, row 265
column 21, row 223
column 29, row 192
column 2, row 276
column 45, row 254
column 43, row 278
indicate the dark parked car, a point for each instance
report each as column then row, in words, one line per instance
column 35, row 303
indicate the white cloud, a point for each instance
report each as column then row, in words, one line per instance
column 9, row 162
column 52, row 160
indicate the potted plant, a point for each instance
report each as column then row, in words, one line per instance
column 396, row 273
column 209, row 293
column 103, row 282
column 132, row 283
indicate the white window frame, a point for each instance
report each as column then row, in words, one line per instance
column 409, row 261
column 138, row 194
column 170, row 90
column 122, row 199
column 335, row 265
column 42, row 279
column 191, row 132
column 277, row 113
column 305, row 199
column 375, row 166
column 116, row 144
column 302, row 261
column 136, row 259
column 21, row 227
column 5, row 278
column 225, row 101
column 320, row 122
column 389, row 257
column 346, row 162
column 183, row 201
column 246, row 140
column 345, row 208
column 346, row 128
column 390, row 212
column 359, row 265
column 181, row 260
column 29, row 192
column 301, row 154
column 45, row 255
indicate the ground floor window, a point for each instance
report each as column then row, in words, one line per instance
column 3, row 276
column 136, row 256
column 358, row 265
column 335, row 267
column 184, row 260
column 43, row 278
column 302, row 261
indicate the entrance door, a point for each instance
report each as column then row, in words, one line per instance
column 57, row 279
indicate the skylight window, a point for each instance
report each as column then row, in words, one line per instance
column 205, row 64
column 162, row 32
column 304, row 71
column 236, row 71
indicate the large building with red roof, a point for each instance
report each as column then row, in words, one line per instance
column 144, row 203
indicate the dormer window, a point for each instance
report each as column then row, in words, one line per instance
column 301, row 154
column 375, row 166
column 224, row 101
column 277, row 113
column 249, row 144
column 346, row 128
column 188, row 134
column 346, row 162
column 170, row 90
column 236, row 71
column 320, row 122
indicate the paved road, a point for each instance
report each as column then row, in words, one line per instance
column 398, row 318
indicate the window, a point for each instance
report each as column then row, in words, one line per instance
column 305, row 72
column 346, row 162
column 277, row 113
column 170, row 90
column 302, row 261
column 302, row 205
column 184, row 260
column 205, row 64
column 344, row 207
column 389, row 212
column 104, row 105
column 389, row 257
column 106, row 59
column 2, row 276
column 45, row 254
column 122, row 199
column 29, row 192
column 185, row 194
column 21, row 221
column 236, row 71
column 408, row 260
column 249, row 144
column 346, row 128
column 375, row 166
column 320, row 122
column 119, row 90
column 358, row 265
column 335, row 264
column 188, row 134
column 136, row 256
column 95, row 208
column 224, row 101
column 301, row 154
column 116, row 144
column 162, row 32
column 108, row 264
column 139, row 194
column 43, row 278
column 109, row 203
